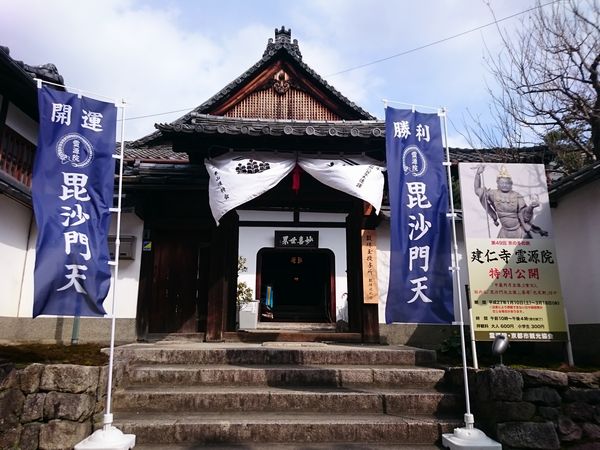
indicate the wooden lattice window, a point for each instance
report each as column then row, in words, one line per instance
column 16, row 156
column 294, row 104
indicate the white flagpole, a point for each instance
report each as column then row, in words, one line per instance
column 110, row 437
column 469, row 436
column 413, row 106
column 570, row 359
column 78, row 91
column 455, row 266
column 108, row 415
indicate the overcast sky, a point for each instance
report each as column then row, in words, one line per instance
column 170, row 55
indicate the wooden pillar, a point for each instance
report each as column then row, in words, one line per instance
column 144, row 288
column 370, row 316
column 232, row 249
column 354, row 269
column 370, row 331
column 222, row 277
column 363, row 318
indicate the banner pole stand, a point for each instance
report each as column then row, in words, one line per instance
column 110, row 437
column 467, row 437
column 75, row 331
column 570, row 360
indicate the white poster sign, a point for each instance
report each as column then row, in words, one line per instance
column 513, row 274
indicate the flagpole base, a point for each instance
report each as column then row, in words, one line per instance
column 469, row 438
column 107, row 438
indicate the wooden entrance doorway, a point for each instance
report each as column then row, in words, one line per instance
column 175, row 271
column 302, row 282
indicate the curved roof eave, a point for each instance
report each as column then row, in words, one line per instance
column 209, row 124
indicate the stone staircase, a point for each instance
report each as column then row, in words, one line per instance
column 184, row 395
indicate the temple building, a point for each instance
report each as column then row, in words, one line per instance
column 274, row 189
column 277, row 112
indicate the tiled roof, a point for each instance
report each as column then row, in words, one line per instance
column 17, row 84
column 157, row 152
column 571, row 182
column 46, row 72
column 282, row 44
column 209, row 124
column 534, row 154
column 215, row 124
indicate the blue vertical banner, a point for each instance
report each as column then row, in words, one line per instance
column 420, row 287
column 72, row 190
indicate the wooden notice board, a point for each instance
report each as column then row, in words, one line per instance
column 369, row 265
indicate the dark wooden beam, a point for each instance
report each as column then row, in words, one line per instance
column 144, row 290
column 222, row 278
column 354, row 269
column 201, row 145
column 3, row 113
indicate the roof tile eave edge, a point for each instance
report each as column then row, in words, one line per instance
column 568, row 183
column 17, row 69
column 219, row 126
column 210, row 117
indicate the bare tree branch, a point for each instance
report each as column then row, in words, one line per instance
column 547, row 79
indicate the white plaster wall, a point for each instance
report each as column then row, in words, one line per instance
column 26, row 299
column 15, row 220
column 576, row 226
column 322, row 217
column 252, row 239
column 262, row 216
column 129, row 272
column 462, row 277
column 383, row 266
column 383, row 271
column 22, row 123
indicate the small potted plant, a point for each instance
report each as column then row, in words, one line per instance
column 246, row 304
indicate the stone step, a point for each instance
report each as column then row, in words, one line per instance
column 297, row 326
column 282, row 395
column 285, row 399
column 261, row 335
column 281, row 427
column 277, row 375
column 184, row 352
column 287, row 446
column 268, row 335
column 265, row 334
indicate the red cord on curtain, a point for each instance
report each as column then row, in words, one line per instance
column 296, row 178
